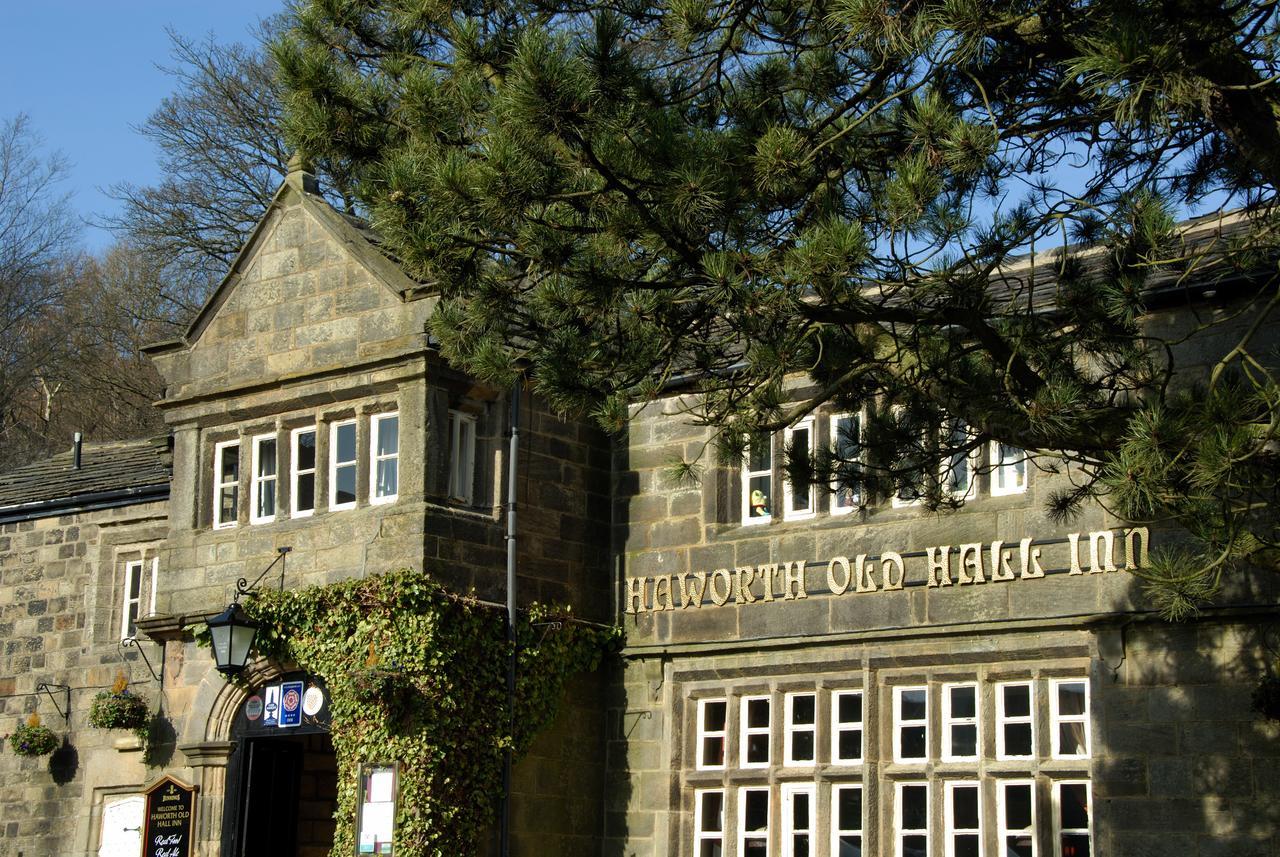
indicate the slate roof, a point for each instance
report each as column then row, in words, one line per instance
column 111, row 473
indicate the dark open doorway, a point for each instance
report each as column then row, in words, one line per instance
column 282, row 786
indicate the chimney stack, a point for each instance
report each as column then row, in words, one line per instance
column 76, row 441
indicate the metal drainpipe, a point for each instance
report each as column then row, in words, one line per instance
column 505, row 833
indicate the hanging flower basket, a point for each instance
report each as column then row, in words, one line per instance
column 1266, row 698
column 33, row 739
column 118, row 708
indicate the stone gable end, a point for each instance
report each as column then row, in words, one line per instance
column 301, row 303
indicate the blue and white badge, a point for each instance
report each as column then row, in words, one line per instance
column 290, row 704
column 271, row 708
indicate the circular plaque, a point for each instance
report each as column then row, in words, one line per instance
column 312, row 701
column 253, row 707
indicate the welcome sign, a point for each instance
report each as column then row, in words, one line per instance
column 169, row 820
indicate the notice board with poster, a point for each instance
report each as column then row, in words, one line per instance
column 375, row 828
column 169, row 819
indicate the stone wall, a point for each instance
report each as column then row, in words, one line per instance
column 712, row 606
column 60, row 590
column 1187, row 766
column 312, row 328
column 1179, row 761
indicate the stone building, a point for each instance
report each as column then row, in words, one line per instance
column 806, row 672
column 307, row 412
column 80, row 538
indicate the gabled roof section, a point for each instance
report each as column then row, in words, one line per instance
column 358, row 239
column 110, row 474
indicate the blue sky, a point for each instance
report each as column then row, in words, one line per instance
column 85, row 72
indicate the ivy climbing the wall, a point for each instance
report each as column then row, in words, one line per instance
column 417, row 675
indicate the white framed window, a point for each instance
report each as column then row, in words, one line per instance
column 302, row 455
column 846, row 821
column 708, row 814
column 263, row 482
column 462, row 456
column 908, row 487
column 799, row 814
column 798, row 440
column 1016, row 811
column 342, row 465
column 1069, row 718
column 384, row 458
column 131, row 603
column 753, row 822
column 960, row 719
column 910, row 724
column 846, row 727
column 713, row 715
column 226, row 484
column 911, row 819
column 1015, row 728
column 1072, row 821
column 846, row 451
column 800, row 737
column 754, row 732
column 757, row 481
column 1008, row 469
column 962, row 819
column 956, row 474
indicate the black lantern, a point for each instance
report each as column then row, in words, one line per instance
column 232, row 633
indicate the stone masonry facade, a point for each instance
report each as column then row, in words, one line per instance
column 60, row 623
column 801, row 675
column 724, row 616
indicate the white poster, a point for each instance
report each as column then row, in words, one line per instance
column 380, row 783
column 378, row 819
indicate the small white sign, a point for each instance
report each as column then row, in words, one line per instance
column 271, row 709
column 312, row 701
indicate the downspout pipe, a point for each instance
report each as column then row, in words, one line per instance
column 513, row 451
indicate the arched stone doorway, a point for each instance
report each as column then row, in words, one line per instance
column 281, row 780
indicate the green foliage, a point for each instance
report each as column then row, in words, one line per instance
column 835, row 197
column 122, row 710
column 33, row 739
column 417, row 675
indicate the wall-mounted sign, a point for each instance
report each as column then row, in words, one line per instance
column 169, row 820
column 290, row 704
column 941, row 566
column 272, row 707
column 375, row 826
column 298, row 702
column 312, row 701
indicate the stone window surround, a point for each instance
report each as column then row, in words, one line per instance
column 284, row 427
column 982, row 478
column 1043, row 772
column 463, row 430
column 376, row 458
column 258, row 480
column 144, row 559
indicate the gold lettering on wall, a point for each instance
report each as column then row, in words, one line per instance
column 975, row 563
column 838, row 586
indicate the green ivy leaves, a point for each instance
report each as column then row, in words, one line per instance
column 417, row 675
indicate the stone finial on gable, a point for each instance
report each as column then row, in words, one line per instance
column 301, row 175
